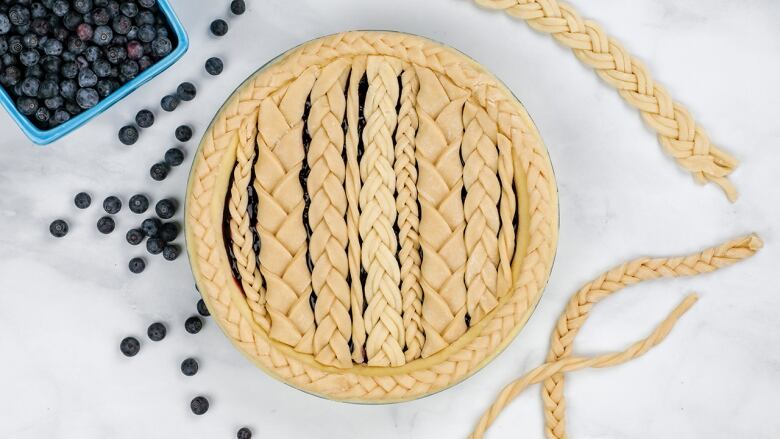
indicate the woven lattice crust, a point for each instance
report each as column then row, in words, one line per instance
column 290, row 137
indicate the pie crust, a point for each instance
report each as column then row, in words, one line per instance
column 379, row 172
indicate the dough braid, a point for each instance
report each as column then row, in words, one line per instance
column 677, row 131
column 483, row 191
column 328, row 243
column 281, row 229
column 383, row 316
column 240, row 230
column 352, row 188
column 442, row 223
column 560, row 360
column 409, row 215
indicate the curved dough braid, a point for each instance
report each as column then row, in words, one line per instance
column 677, row 132
column 383, row 315
column 281, row 229
column 328, row 242
column 442, row 223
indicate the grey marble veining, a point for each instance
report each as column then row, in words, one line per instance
column 65, row 304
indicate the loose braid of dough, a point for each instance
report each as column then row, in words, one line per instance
column 328, row 243
column 240, row 230
column 383, row 316
column 578, row 310
column 352, row 188
column 480, row 207
column 677, row 131
column 409, row 215
column 280, row 198
column 579, row 307
column 442, row 222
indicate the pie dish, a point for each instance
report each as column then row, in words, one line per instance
column 371, row 217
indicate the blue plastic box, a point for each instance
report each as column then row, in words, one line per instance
column 43, row 137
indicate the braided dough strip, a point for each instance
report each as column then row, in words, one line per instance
column 677, row 132
column 578, row 310
column 328, row 242
column 409, row 215
column 442, row 223
column 281, row 229
column 383, row 321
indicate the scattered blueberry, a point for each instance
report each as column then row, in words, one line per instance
column 58, row 228
column 219, row 27
column 82, row 200
column 174, row 157
column 199, row 405
column 193, row 325
column 128, row 134
column 134, row 236
column 130, row 346
column 138, row 203
column 244, row 432
column 165, row 208
column 169, row 232
column 214, row 66
column 144, row 118
column 156, row 331
column 238, row 7
column 151, row 227
column 189, row 367
column 112, row 205
column 106, row 225
column 186, row 91
column 171, row 252
column 183, row 133
column 202, row 310
column 136, row 265
column 169, row 103
column 155, row 246
column 159, row 171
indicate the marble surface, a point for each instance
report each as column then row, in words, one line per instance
column 65, row 304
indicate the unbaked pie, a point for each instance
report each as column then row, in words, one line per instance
column 371, row 217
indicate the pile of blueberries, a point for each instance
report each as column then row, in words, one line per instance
column 61, row 57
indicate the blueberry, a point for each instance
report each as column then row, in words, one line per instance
column 161, row 46
column 202, row 309
column 60, row 8
column 135, row 50
column 102, row 35
column 121, row 24
column 144, row 62
column 30, row 86
column 82, row 6
column 186, row 91
column 147, row 33
column 214, row 66
column 29, row 57
column 169, row 231
column 85, row 32
column 138, row 203
column 34, row 71
column 134, row 236
column 116, row 54
column 15, row 45
column 59, row 32
column 169, row 103
column 68, row 88
column 40, row 26
column 87, row 78
column 189, row 367
column 61, row 116
column 136, row 265
column 48, row 89
column 69, row 70
column 144, row 118
column 129, row 9
column 130, row 346
column 147, row 3
column 193, row 325
column 237, row 7
column 19, row 15
column 155, row 246
column 113, row 7
column 71, row 20
column 76, row 46
column 102, row 68
column 156, row 331
column 42, row 114
column 165, row 208
column 27, row 106
column 54, row 103
column 87, row 98
column 174, row 157
column 51, row 64
column 112, row 205
column 128, row 134
column 219, row 27
column 243, row 432
column 159, row 171
column 30, row 40
column 101, row 16
column 58, row 228
column 82, row 200
column 151, row 227
column 171, row 252
column 105, row 225
column 12, row 75
column 106, row 86
column 144, row 17
column 5, row 24
column 72, row 108
column 132, row 34
column 128, row 69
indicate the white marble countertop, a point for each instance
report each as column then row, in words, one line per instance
column 65, row 304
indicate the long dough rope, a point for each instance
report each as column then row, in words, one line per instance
column 483, row 190
column 442, row 223
column 409, row 215
column 383, row 315
column 240, row 230
column 577, row 311
column 677, row 132
column 352, row 189
column 281, row 229
column 328, row 243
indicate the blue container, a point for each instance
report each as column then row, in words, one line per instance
column 43, row 137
